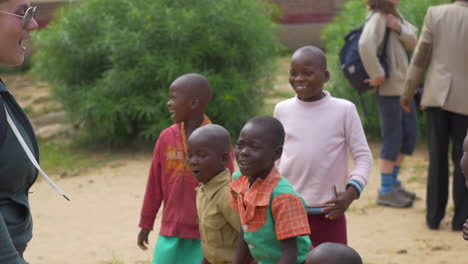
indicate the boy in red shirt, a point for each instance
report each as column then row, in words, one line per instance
column 170, row 179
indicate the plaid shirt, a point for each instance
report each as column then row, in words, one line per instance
column 251, row 203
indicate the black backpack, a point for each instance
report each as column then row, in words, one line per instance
column 351, row 63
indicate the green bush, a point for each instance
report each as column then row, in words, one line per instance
column 353, row 16
column 111, row 61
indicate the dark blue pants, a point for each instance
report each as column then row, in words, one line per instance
column 399, row 129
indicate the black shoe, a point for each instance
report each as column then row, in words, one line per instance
column 457, row 228
column 433, row 226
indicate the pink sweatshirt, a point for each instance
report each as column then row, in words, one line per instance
column 319, row 137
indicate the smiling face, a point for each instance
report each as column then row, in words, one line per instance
column 464, row 160
column 12, row 34
column 255, row 153
column 179, row 104
column 307, row 76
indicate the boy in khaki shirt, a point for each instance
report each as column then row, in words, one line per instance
column 208, row 152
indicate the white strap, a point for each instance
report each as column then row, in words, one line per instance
column 31, row 156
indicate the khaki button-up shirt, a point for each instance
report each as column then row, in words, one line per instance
column 219, row 223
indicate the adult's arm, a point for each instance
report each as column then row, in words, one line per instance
column 8, row 253
column 420, row 60
column 408, row 35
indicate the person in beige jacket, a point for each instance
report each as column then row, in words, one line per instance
column 442, row 50
column 399, row 129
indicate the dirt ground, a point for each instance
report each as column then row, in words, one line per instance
column 99, row 224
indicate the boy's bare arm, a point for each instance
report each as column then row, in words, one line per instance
column 242, row 255
column 289, row 247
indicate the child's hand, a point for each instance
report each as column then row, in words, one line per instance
column 143, row 238
column 337, row 207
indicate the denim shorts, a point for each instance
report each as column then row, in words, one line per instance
column 399, row 129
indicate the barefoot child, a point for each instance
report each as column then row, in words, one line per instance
column 273, row 216
column 321, row 131
column 171, row 181
column 208, row 152
column 333, row 253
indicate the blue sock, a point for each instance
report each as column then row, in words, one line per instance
column 386, row 182
column 396, row 171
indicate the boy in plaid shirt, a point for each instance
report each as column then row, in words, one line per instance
column 273, row 216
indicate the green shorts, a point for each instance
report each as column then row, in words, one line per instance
column 177, row 250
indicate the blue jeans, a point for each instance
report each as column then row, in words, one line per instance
column 399, row 129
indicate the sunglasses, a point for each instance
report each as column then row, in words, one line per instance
column 29, row 15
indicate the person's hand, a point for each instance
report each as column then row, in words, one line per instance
column 337, row 207
column 393, row 23
column 375, row 82
column 405, row 103
column 465, row 230
column 143, row 238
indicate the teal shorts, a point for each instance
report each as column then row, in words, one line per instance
column 177, row 250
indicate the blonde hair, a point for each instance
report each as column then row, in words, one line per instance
column 383, row 6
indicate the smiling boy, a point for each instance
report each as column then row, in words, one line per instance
column 321, row 132
column 171, row 181
column 273, row 216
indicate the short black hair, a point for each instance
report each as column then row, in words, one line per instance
column 196, row 85
column 319, row 56
column 272, row 127
column 216, row 135
column 335, row 253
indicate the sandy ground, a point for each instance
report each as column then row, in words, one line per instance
column 99, row 225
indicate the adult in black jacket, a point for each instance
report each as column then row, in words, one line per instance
column 17, row 173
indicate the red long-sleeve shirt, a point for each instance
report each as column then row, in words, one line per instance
column 171, row 182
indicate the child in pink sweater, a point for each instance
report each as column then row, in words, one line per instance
column 321, row 131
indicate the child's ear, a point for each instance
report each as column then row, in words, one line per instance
column 277, row 152
column 327, row 75
column 194, row 103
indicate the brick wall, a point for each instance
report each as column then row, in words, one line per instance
column 301, row 21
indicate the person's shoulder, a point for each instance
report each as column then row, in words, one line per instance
column 286, row 103
column 341, row 103
column 223, row 194
column 441, row 10
column 169, row 132
column 284, row 186
column 375, row 17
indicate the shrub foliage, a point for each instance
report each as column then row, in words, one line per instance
column 111, row 61
column 353, row 16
